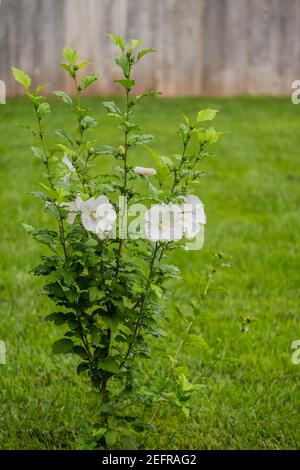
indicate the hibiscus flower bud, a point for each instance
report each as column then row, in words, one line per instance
column 140, row 170
column 121, row 150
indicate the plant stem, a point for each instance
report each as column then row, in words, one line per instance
column 185, row 145
column 142, row 304
column 103, row 386
column 124, row 189
column 78, row 96
column 46, row 162
column 84, row 339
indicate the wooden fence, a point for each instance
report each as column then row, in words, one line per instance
column 205, row 47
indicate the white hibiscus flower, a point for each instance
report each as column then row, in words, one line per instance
column 192, row 216
column 163, row 223
column 98, row 215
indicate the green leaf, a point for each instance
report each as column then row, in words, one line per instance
column 95, row 294
column 22, row 78
column 53, row 210
column 64, row 135
column 82, row 367
column 80, row 351
column 41, row 88
column 43, row 109
column 123, row 62
column 88, row 80
column 59, row 318
column 64, row 97
column 38, row 153
column 106, row 150
column 68, row 68
column 28, row 228
column 70, row 55
column 111, row 107
column 88, row 122
column 84, row 64
column 144, row 95
column 44, row 236
column 39, row 195
column 62, row 346
column 207, row 115
column 134, row 43
column 144, row 52
column 118, row 41
column 126, row 84
column 212, row 135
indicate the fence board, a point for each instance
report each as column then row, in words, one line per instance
column 205, row 47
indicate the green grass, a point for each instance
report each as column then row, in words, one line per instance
column 250, row 389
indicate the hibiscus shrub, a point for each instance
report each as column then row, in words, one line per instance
column 107, row 278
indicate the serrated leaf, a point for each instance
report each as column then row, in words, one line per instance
column 95, row 294
column 89, row 122
column 105, row 150
column 207, row 114
column 134, row 43
column 41, row 88
column 38, row 153
column 22, row 78
column 64, row 135
column 126, row 84
column 28, row 228
column 70, row 55
column 123, row 62
column 53, row 210
column 64, row 97
column 117, row 40
column 111, row 107
column 88, row 80
column 147, row 93
column 43, row 109
column 144, row 52
column 84, row 64
column 68, row 68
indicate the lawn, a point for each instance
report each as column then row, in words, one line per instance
column 249, row 396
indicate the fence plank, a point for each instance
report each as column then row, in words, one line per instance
column 205, row 47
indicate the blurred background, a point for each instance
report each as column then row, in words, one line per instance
column 206, row 47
